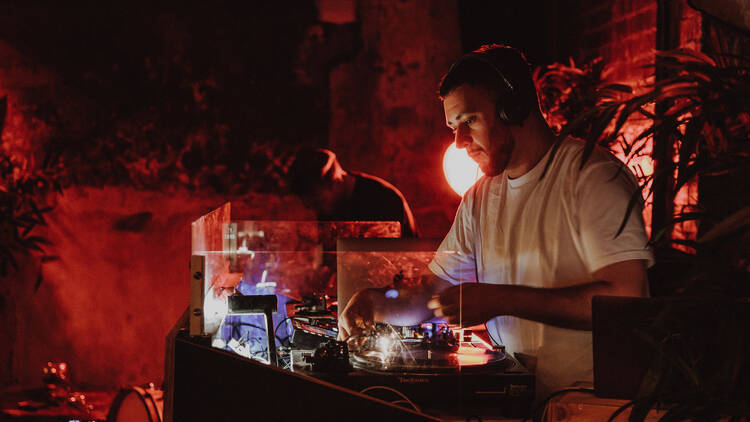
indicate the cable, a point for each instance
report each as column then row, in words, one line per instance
column 282, row 340
column 276, row 330
column 400, row 394
column 235, row 328
column 263, row 352
column 247, row 324
column 399, row 402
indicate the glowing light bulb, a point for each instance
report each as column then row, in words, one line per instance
column 460, row 170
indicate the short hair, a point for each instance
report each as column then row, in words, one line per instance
column 486, row 67
column 312, row 168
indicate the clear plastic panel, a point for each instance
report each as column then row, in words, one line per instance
column 292, row 278
column 290, row 259
column 312, row 269
column 295, row 279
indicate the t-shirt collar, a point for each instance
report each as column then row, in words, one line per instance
column 532, row 175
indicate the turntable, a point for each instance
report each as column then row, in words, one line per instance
column 434, row 366
column 429, row 348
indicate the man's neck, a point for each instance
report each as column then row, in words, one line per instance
column 533, row 140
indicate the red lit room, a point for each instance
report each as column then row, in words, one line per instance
column 375, row 210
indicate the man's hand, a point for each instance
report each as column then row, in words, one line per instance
column 406, row 308
column 358, row 316
column 467, row 304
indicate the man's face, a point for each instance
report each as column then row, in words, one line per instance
column 470, row 113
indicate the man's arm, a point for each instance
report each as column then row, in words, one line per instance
column 569, row 307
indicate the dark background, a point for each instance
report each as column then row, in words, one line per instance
column 165, row 111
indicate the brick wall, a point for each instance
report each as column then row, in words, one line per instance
column 624, row 34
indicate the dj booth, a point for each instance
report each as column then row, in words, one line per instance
column 259, row 339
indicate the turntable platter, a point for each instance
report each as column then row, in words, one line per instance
column 427, row 361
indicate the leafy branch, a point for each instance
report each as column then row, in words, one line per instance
column 23, row 204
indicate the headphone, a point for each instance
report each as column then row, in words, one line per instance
column 512, row 110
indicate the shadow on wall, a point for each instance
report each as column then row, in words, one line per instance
column 120, row 284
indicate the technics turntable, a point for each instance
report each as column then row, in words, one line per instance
column 429, row 348
column 432, row 366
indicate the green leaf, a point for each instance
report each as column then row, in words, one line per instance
column 635, row 198
column 38, row 282
column 596, row 133
column 27, row 230
column 618, row 87
column 38, row 240
column 732, row 224
column 685, row 242
column 33, row 246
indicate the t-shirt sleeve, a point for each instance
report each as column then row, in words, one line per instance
column 603, row 195
column 455, row 259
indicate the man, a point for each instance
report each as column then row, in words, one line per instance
column 534, row 240
column 334, row 194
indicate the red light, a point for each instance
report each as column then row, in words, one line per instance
column 470, row 356
column 460, row 170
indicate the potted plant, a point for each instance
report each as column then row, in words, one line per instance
column 699, row 112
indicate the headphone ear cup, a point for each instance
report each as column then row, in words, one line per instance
column 514, row 112
column 511, row 112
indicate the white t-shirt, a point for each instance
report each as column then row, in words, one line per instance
column 552, row 232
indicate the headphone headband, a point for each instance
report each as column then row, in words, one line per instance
column 482, row 57
column 513, row 110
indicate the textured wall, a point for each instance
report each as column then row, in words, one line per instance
column 120, row 284
column 29, row 88
column 386, row 118
column 622, row 32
